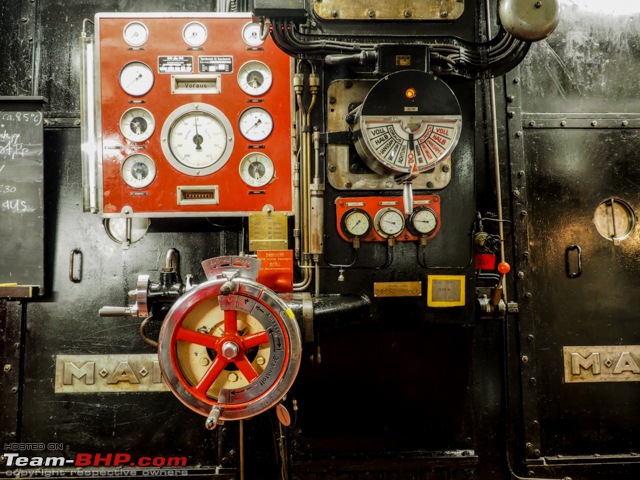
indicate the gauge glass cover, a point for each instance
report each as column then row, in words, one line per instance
column 389, row 222
column 138, row 170
column 251, row 34
column 135, row 34
column 255, row 124
column 137, row 124
column 136, row 78
column 255, row 78
column 356, row 223
column 256, row 169
column 194, row 34
column 424, row 221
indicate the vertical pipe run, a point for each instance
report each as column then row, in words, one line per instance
column 89, row 133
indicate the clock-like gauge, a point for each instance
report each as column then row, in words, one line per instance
column 138, row 170
column 194, row 34
column 137, row 124
column 136, row 78
column 256, row 169
column 389, row 222
column 251, row 34
column 423, row 221
column 255, row 124
column 255, row 78
column 135, row 33
column 197, row 139
column 355, row 223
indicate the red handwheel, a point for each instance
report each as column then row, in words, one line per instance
column 229, row 349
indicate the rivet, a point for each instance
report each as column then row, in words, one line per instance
column 563, row 123
column 524, row 359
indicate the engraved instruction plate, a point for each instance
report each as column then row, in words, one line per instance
column 397, row 289
column 385, row 10
column 108, row 373
column 609, row 363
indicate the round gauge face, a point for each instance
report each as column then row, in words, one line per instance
column 256, row 169
column 136, row 78
column 255, row 124
column 197, row 139
column 255, row 78
column 251, row 34
column 356, row 223
column 194, row 34
column 389, row 222
column 137, row 124
column 138, row 170
column 423, row 221
column 135, row 34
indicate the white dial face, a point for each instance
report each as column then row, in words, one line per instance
column 138, row 170
column 256, row 169
column 251, row 34
column 255, row 124
column 357, row 223
column 255, row 78
column 424, row 221
column 136, row 78
column 194, row 33
column 198, row 139
column 389, row 222
column 135, row 34
column 137, row 124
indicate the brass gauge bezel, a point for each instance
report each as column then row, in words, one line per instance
column 349, row 228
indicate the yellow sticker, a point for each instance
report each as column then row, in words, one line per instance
column 445, row 290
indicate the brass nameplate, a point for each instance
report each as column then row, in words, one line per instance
column 268, row 231
column 108, row 373
column 384, row 10
column 608, row 363
column 397, row 289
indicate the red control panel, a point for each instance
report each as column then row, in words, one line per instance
column 379, row 219
column 194, row 118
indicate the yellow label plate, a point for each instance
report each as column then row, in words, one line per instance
column 268, row 231
column 397, row 289
column 445, row 290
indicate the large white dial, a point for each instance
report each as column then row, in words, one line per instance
column 255, row 78
column 255, row 124
column 197, row 139
column 137, row 124
column 136, row 78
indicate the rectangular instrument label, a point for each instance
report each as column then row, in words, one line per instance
column 445, row 290
column 609, row 363
column 215, row 64
column 397, row 289
column 175, row 64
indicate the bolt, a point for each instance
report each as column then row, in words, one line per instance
column 334, row 13
column 332, row 167
column 14, row 390
column 520, row 274
column 204, row 361
column 525, row 254
column 536, row 452
column 511, row 114
column 7, row 368
column 521, row 173
column 516, row 80
column 532, row 123
column 563, row 123
column 332, row 100
column 593, row 123
column 371, row 13
column 408, row 13
column 519, row 133
column 260, row 360
column 523, row 213
column 529, row 445
column 445, row 168
column 538, row 4
column 532, row 380
column 444, row 14
column 625, row 123
column 510, row 98
column 229, row 350
column 233, row 377
column 23, row 19
column 429, row 184
column 530, row 337
column 388, row 184
column 348, row 185
column 525, row 359
column 528, row 295
column 516, row 193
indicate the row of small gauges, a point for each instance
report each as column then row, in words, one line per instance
column 372, row 219
column 194, row 34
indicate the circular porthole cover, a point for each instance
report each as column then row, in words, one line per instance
column 614, row 219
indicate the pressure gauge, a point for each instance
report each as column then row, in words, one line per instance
column 256, row 169
column 423, row 221
column 138, row 170
column 389, row 222
column 195, row 34
column 255, row 124
column 197, row 139
column 135, row 33
column 136, row 78
column 355, row 223
column 137, row 124
column 255, row 78
column 251, row 34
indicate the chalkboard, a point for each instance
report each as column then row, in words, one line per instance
column 21, row 196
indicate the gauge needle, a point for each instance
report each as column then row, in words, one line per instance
column 258, row 122
column 135, row 79
column 197, row 138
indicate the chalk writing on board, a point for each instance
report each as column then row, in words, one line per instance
column 34, row 118
column 10, row 145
